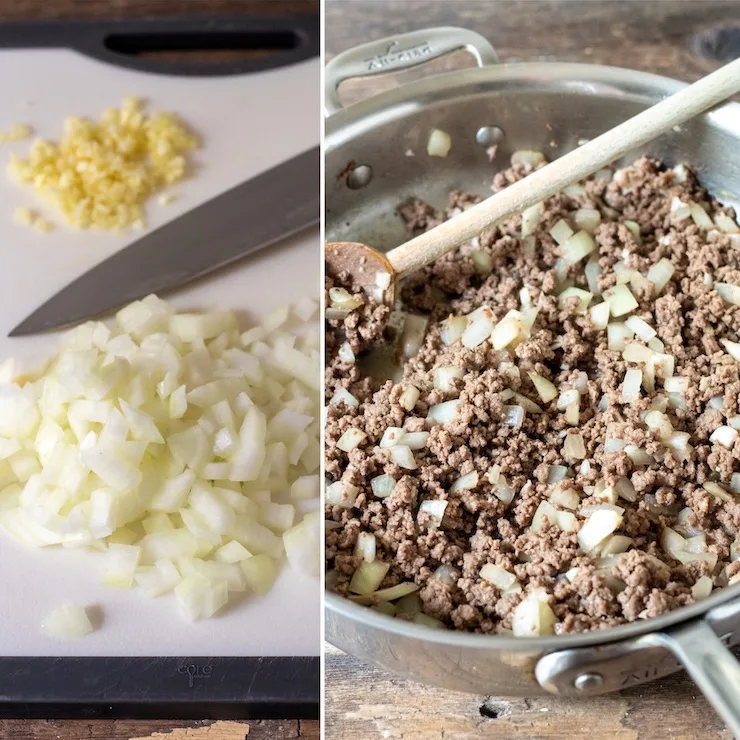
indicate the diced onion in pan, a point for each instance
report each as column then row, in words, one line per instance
column 545, row 389
column 533, row 616
column 500, row 578
column 587, row 219
column 434, row 512
column 620, row 300
column 661, row 273
column 383, row 485
column 728, row 292
column 453, row 329
column 439, row 143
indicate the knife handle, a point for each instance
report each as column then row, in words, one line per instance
column 178, row 46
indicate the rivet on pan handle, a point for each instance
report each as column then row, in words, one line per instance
column 395, row 53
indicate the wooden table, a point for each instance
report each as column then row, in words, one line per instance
column 144, row 730
column 654, row 35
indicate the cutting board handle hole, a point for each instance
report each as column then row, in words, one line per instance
column 208, row 47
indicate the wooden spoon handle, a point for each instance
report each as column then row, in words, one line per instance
column 570, row 168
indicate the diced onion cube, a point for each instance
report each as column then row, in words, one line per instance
column 631, row 385
column 702, row 588
column 383, row 485
column 199, row 597
column 121, row 562
column 439, row 143
column 568, row 498
column 724, row 436
column 500, row 578
column 261, row 571
column 415, row 440
column 465, row 482
column 545, row 511
column 505, row 331
column 443, row 412
column 587, row 219
column 578, row 246
column 342, row 395
column 733, row 348
column 638, row 353
column 391, row 437
column 302, row 545
column 527, row 158
column 305, row 487
column 700, row 216
column 409, row 397
column 728, row 292
column 403, row 457
column 341, row 494
column 545, row 389
column 232, row 552
column 574, row 447
column 641, row 328
column 453, row 329
column 368, row 577
column 583, row 296
column 513, row 416
column 620, row 300
column 660, row 274
column 617, row 336
column 433, row 511
column 351, row 438
column 479, row 328
column 366, row 546
column 531, row 218
column 597, row 528
column 600, row 315
column 680, row 210
column 443, row 377
column 561, row 232
column 533, row 616
column 412, row 338
column 69, row 621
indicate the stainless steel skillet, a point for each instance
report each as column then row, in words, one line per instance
column 550, row 107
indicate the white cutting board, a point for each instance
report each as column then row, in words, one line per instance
column 248, row 123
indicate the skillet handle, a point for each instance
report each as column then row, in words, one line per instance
column 711, row 665
column 403, row 51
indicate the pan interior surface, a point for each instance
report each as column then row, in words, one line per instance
column 490, row 113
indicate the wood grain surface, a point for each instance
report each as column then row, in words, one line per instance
column 18, row 10
column 678, row 38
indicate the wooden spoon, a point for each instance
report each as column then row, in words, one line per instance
column 363, row 263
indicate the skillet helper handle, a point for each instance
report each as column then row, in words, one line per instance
column 711, row 665
column 574, row 166
column 404, row 51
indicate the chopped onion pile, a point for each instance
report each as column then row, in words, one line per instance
column 184, row 450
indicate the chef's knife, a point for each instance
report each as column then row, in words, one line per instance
column 270, row 207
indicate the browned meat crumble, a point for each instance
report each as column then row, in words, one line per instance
column 671, row 497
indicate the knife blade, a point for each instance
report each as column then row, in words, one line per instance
column 268, row 208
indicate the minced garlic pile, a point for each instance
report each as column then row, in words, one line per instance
column 101, row 173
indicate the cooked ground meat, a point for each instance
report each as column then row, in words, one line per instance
column 519, row 469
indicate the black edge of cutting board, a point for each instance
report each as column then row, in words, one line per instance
column 147, row 688
column 151, row 687
column 122, row 42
